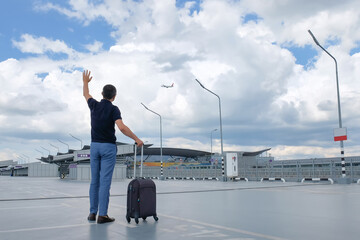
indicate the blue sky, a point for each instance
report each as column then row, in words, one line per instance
column 277, row 86
column 26, row 19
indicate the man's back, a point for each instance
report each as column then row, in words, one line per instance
column 103, row 117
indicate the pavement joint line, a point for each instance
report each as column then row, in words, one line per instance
column 162, row 193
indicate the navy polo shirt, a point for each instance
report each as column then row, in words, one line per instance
column 103, row 117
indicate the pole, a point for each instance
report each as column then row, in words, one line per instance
column 46, row 150
column 135, row 150
column 221, row 135
column 211, row 140
column 161, row 158
column 23, row 160
column 141, row 161
column 42, row 154
column 78, row 140
column 28, row 158
column 65, row 144
column 55, row 147
column 342, row 151
column 161, row 152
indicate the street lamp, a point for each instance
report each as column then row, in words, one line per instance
column 55, row 147
column 161, row 158
column 21, row 159
column 28, row 158
column 78, row 140
column 221, row 135
column 339, row 108
column 64, row 143
column 211, row 139
column 42, row 154
column 46, row 150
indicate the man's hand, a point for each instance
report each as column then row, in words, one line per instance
column 139, row 143
column 86, row 76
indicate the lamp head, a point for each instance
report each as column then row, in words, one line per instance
column 144, row 106
column 200, row 83
column 315, row 40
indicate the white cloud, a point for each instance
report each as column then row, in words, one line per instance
column 41, row 45
column 267, row 100
column 115, row 12
column 7, row 154
column 289, row 21
column 95, row 47
column 131, row 47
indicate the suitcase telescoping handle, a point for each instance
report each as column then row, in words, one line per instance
column 141, row 159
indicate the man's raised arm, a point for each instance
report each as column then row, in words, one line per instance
column 86, row 80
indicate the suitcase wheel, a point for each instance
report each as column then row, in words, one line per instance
column 156, row 218
column 144, row 218
column 128, row 219
column 137, row 220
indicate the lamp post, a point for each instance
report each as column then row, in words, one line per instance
column 221, row 135
column 78, row 140
column 161, row 158
column 343, row 172
column 55, row 147
column 64, row 143
column 46, row 150
column 21, row 159
column 27, row 157
column 211, row 140
column 42, row 154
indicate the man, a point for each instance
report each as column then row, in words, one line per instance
column 104, row 116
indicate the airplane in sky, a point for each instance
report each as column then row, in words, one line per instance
column 168, row 86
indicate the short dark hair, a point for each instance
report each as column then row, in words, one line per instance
column 109, row 91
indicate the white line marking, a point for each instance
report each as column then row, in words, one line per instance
column 42, row 228
column 59, row 227
column 54, row 191
column 206, row 234
column 216, row 226
column 224, row 228
column 31, row 207
column 128, row 225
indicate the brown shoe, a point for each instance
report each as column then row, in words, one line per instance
column 105, row 219
column 92, row 217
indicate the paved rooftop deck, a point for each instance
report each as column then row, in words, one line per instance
column 50, row 208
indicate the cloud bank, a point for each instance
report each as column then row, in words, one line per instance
column 267, row 99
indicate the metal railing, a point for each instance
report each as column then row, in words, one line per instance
column 291, row 171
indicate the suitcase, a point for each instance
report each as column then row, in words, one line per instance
column 141, row 197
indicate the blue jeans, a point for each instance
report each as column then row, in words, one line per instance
column 102, row 162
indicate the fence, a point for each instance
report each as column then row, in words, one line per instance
column 179, row 172
column 290, row 170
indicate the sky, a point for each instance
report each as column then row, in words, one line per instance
column 277, row 87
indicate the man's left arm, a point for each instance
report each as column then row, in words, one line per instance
column 127, row 132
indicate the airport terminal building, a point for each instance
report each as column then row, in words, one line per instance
column 192, row 164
